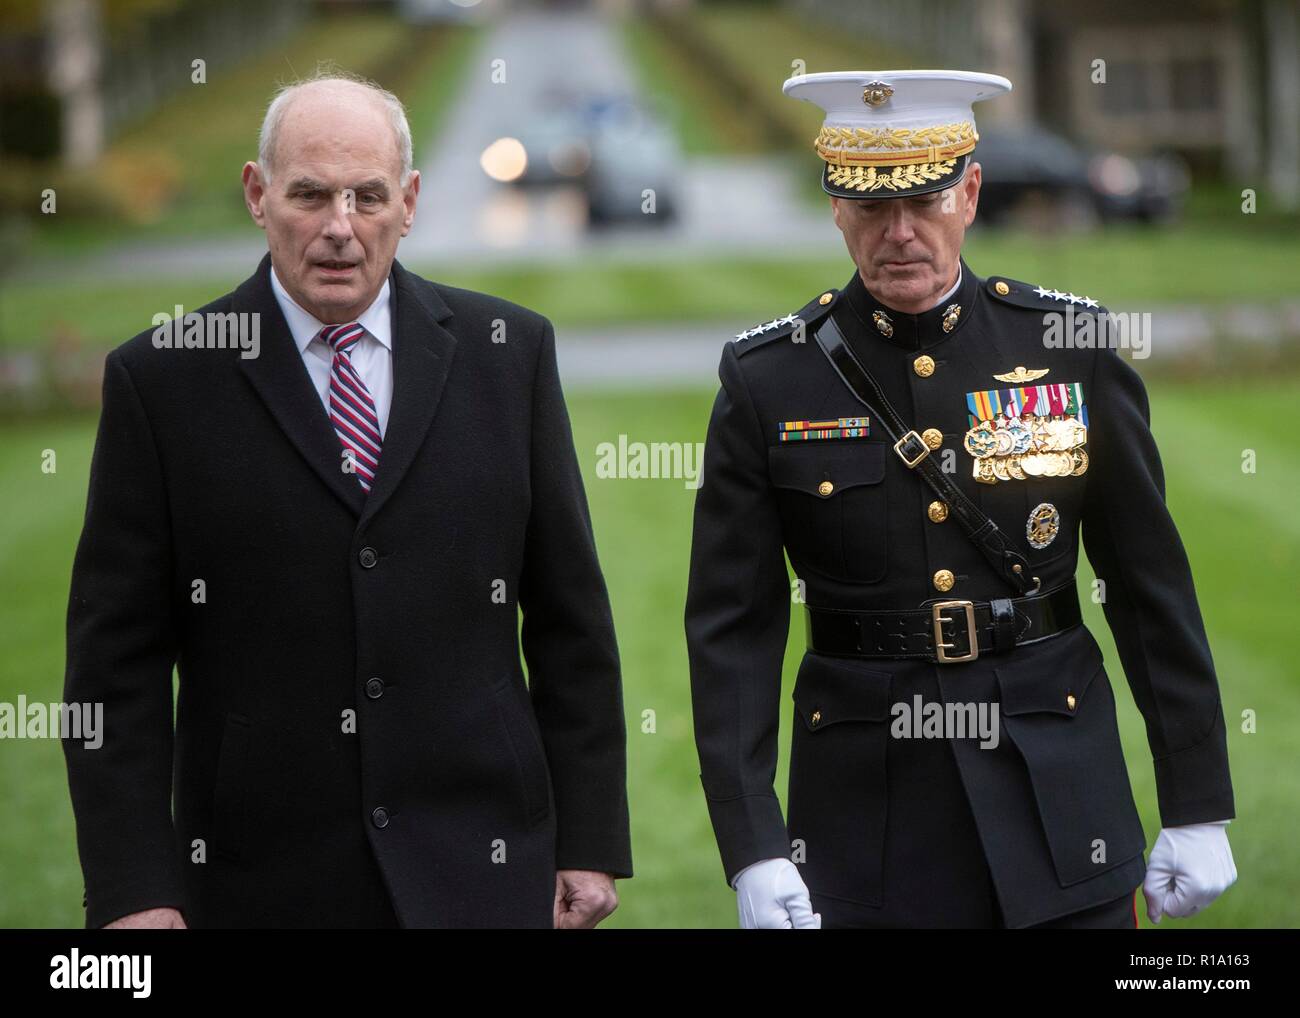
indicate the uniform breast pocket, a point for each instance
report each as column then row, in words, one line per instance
column 1060, row 714
column 1039, row 514
column 833, row 506
column 838, row 793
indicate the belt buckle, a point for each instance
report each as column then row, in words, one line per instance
column 915, row 439
column 972, row 639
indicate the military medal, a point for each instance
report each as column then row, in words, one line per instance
column 979, row 441
column 1043, row 525
column 1027, row 430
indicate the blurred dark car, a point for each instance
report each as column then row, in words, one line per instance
column 613, row 148
column 1034, row 172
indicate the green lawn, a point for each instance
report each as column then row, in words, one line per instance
column 1244, row 546
column 1130, row 267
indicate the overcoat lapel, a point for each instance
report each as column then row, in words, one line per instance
column 422, row 353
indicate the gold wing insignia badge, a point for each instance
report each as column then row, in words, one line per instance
column 1022, row 374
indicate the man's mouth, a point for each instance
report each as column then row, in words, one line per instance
column 334, row 267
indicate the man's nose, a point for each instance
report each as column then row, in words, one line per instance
column 338, row 228
column 898, row 228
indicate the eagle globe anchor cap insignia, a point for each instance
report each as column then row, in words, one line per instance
column 891, row 134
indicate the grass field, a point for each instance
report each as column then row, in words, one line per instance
column 1244, row 547
column 1130, row 268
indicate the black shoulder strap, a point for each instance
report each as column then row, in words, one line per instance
column 914, row 453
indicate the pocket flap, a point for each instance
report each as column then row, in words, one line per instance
column 1036, row 683
column 805, row 466
column 829, row 690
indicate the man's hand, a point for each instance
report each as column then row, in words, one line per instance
column 149, row 919
column 1189, row 867
column 772, row 896
column 583, row 898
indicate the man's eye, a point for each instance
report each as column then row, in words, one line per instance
column 368, row 197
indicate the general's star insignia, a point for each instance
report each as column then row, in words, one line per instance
column 758, row 330
column 1022, row 374
column 1068, row 298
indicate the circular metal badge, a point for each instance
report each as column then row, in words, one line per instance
column 1043, row 525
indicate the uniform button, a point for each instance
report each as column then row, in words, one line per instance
column 374, row 688
column 1070, row 701
column 933, row 437
column 816, row 718
column 825, row 298
column 825, row 488
column 1002, row 288
column 937, row 511
column 368, row 557
column 924, row 365
column 943, row 579
column 379, row 817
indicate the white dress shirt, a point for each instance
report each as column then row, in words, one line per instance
column 371, row 356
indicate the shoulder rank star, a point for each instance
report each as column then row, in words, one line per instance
column 1070, row 298
column 1022, row 374
column 757, row 330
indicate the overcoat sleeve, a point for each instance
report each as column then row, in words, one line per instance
column 569, row 645
column 121, row 647
column 1150, row 602
column 737, row 620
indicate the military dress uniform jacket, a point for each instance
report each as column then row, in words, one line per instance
column 896, row 831
column 354, row 741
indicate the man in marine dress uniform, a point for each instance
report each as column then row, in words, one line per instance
column 928, row 456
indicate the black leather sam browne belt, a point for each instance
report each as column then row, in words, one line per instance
column 945, row 632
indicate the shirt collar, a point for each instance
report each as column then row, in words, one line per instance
column 949, row 313
column 376, row 319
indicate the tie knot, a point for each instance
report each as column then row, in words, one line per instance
column 342, row 337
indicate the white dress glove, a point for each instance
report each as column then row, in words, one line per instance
column 772, row 896
column 1189, row 867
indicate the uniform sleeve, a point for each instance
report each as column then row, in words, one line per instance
column 569, row 645
column 1150, row 601
column 121, row 648
column 737, row 619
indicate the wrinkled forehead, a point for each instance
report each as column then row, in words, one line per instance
column 337, row 131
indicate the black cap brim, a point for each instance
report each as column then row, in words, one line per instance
column 896, row 181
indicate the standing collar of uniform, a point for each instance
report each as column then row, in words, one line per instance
column 376, row 319
column 912, row 331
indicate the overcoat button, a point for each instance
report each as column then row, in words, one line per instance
column 368, row 557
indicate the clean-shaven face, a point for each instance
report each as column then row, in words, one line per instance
column 907, row 249
column 334, row 210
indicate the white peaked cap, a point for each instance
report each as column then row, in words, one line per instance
column 895, row 133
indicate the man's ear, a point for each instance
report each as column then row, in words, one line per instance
column 409, row 195
column 971, row 188
column 254, row 193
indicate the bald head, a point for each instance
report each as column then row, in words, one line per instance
column 300, row 110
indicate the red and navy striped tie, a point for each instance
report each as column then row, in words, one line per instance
column 352, row 410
